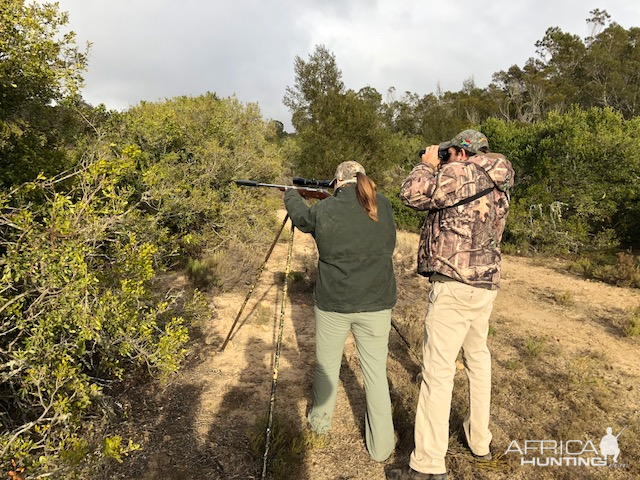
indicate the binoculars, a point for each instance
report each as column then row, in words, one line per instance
column 443, row 154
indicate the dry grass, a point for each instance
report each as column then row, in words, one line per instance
column 556, row 348
column 224, row 269
column 632, row 326
column 546, row 392
column 289, row 445
column 543, row 388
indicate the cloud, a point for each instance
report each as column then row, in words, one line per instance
column 152, row 50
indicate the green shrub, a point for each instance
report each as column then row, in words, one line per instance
column 113, row 448
column 406, row 218
column 77, row 312
column 582, row 266
column 624, row 273
column 621, row 269
column 533, row 347
column 632, row 327
column 188, row 152
column 202, row 273
column 288, row 445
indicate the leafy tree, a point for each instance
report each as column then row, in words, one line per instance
column 315, row 102
column 435, row 118
column 601, row 70
column 612, row 69
column 334, row 124
column 577, row 179
column 318, row 83
column 189, row 150
column 39, row 71
column 399, row 114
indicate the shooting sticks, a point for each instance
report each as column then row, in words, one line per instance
column 406, row 343
column 276, row 362
column 255, row 281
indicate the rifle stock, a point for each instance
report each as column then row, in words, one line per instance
column 306, row 192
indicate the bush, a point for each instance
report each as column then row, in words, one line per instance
column 621, row 269
column 406, row 218
column 77, row 313
column 225, row 269
column 201, row 273
column 624, row 273
column 632, row 328
column 566, row 199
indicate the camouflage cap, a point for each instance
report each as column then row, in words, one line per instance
column 470, row 140
column 347, row 171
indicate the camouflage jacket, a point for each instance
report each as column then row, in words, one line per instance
column 461, row 242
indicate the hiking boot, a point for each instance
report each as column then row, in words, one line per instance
column 407, row 473
column 482, row 458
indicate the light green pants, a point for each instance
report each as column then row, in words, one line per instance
column 371, row 333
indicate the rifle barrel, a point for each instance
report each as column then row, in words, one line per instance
column 621, row 431
column 247, row 183
column 253, row 183
column 309, row 192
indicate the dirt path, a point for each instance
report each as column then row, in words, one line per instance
column 201, row 425
column 577, row 314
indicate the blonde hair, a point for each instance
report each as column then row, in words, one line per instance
column 367, row 197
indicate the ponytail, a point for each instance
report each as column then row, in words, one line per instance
column 366, row 193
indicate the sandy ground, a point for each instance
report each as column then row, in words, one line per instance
column 200, row 425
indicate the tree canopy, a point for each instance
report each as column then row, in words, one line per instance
column 334, row 124
column 40, row 71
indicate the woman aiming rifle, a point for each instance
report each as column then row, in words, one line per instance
column 354, row 291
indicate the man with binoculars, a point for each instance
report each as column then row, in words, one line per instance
column 465, row 190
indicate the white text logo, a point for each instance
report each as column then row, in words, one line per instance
column 575, row 453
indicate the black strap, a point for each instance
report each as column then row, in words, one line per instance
column 466, row 200
column 472, row 198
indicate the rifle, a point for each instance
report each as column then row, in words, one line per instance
column 302, row 185
column 621, row 431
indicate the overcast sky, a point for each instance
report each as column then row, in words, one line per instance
column 158, row 49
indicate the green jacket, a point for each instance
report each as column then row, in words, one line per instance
column 355, row 268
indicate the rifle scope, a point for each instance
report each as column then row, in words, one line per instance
column 312, row 182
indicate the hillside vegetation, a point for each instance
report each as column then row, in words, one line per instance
column 100, row 209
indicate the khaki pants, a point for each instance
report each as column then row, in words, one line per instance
column 371, row 333
column 457, row 317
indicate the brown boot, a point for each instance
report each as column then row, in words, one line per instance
column 483, row 458
column 407, row 473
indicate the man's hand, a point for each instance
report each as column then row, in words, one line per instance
column 430, row 156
